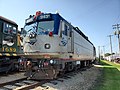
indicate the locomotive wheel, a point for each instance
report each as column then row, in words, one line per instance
column 61, row 73
column 76, row 67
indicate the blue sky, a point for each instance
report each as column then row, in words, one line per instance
column 94, row 17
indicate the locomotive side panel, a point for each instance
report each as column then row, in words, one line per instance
column 83, row 49
column 77, row 44
column 0, row 35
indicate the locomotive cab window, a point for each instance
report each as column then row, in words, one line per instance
column 29, row 28
column 65, row 29
column 44, row 27
column 9, row 29
column 14, row 30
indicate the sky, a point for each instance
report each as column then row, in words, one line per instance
column 94, row 17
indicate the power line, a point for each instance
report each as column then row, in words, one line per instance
column 99, row 53
column 118, row 18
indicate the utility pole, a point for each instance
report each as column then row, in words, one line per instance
column 103, row 51
column 99, row 53
column 117, row 32
column 110, row 44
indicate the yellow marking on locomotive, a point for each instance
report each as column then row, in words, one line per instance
column 14, row 54
column 6, row 49
column 7, row 54
column 0, row 54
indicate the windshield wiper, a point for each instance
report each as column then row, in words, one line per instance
column 29, row 30
column 41, row 28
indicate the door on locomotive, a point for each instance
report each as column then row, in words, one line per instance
column 68, row 29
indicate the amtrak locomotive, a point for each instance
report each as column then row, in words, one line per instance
column 52, row 46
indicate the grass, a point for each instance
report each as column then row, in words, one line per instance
column 110, row 79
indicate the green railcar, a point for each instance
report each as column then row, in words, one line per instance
column 8, row 44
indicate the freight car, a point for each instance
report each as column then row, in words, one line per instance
column 8, row 44
column 53, row 46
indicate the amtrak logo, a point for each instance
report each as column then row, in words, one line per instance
column 63, row 42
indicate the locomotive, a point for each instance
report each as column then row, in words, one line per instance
column 53, row 46
column 8, row 45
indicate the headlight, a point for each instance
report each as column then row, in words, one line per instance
column 33, row 35
column 47, row 46
column 51, row 61
column 78, row 62
column 30, row 36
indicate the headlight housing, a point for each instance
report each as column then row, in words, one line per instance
column 32, row 35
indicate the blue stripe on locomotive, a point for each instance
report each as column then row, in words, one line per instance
column 57, row 18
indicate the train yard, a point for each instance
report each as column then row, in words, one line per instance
column 63, row 50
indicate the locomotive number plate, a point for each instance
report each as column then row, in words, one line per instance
column 7, row 49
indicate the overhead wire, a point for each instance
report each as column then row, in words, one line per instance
column 117, row 19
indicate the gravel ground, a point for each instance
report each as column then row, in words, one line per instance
column 82, row 81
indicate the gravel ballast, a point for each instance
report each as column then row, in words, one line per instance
column 83, row 80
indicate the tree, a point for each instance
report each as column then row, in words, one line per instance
column 108, row 54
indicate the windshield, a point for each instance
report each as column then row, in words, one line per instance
column 45, row 27
column 29, row 28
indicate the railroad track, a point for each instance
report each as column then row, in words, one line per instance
column 20, row 84
column 26, row 84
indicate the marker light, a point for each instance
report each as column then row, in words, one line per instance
column 34, row 17
column 50, row 34
column 38, row 13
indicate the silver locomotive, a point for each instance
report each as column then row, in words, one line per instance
column 52, row 46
